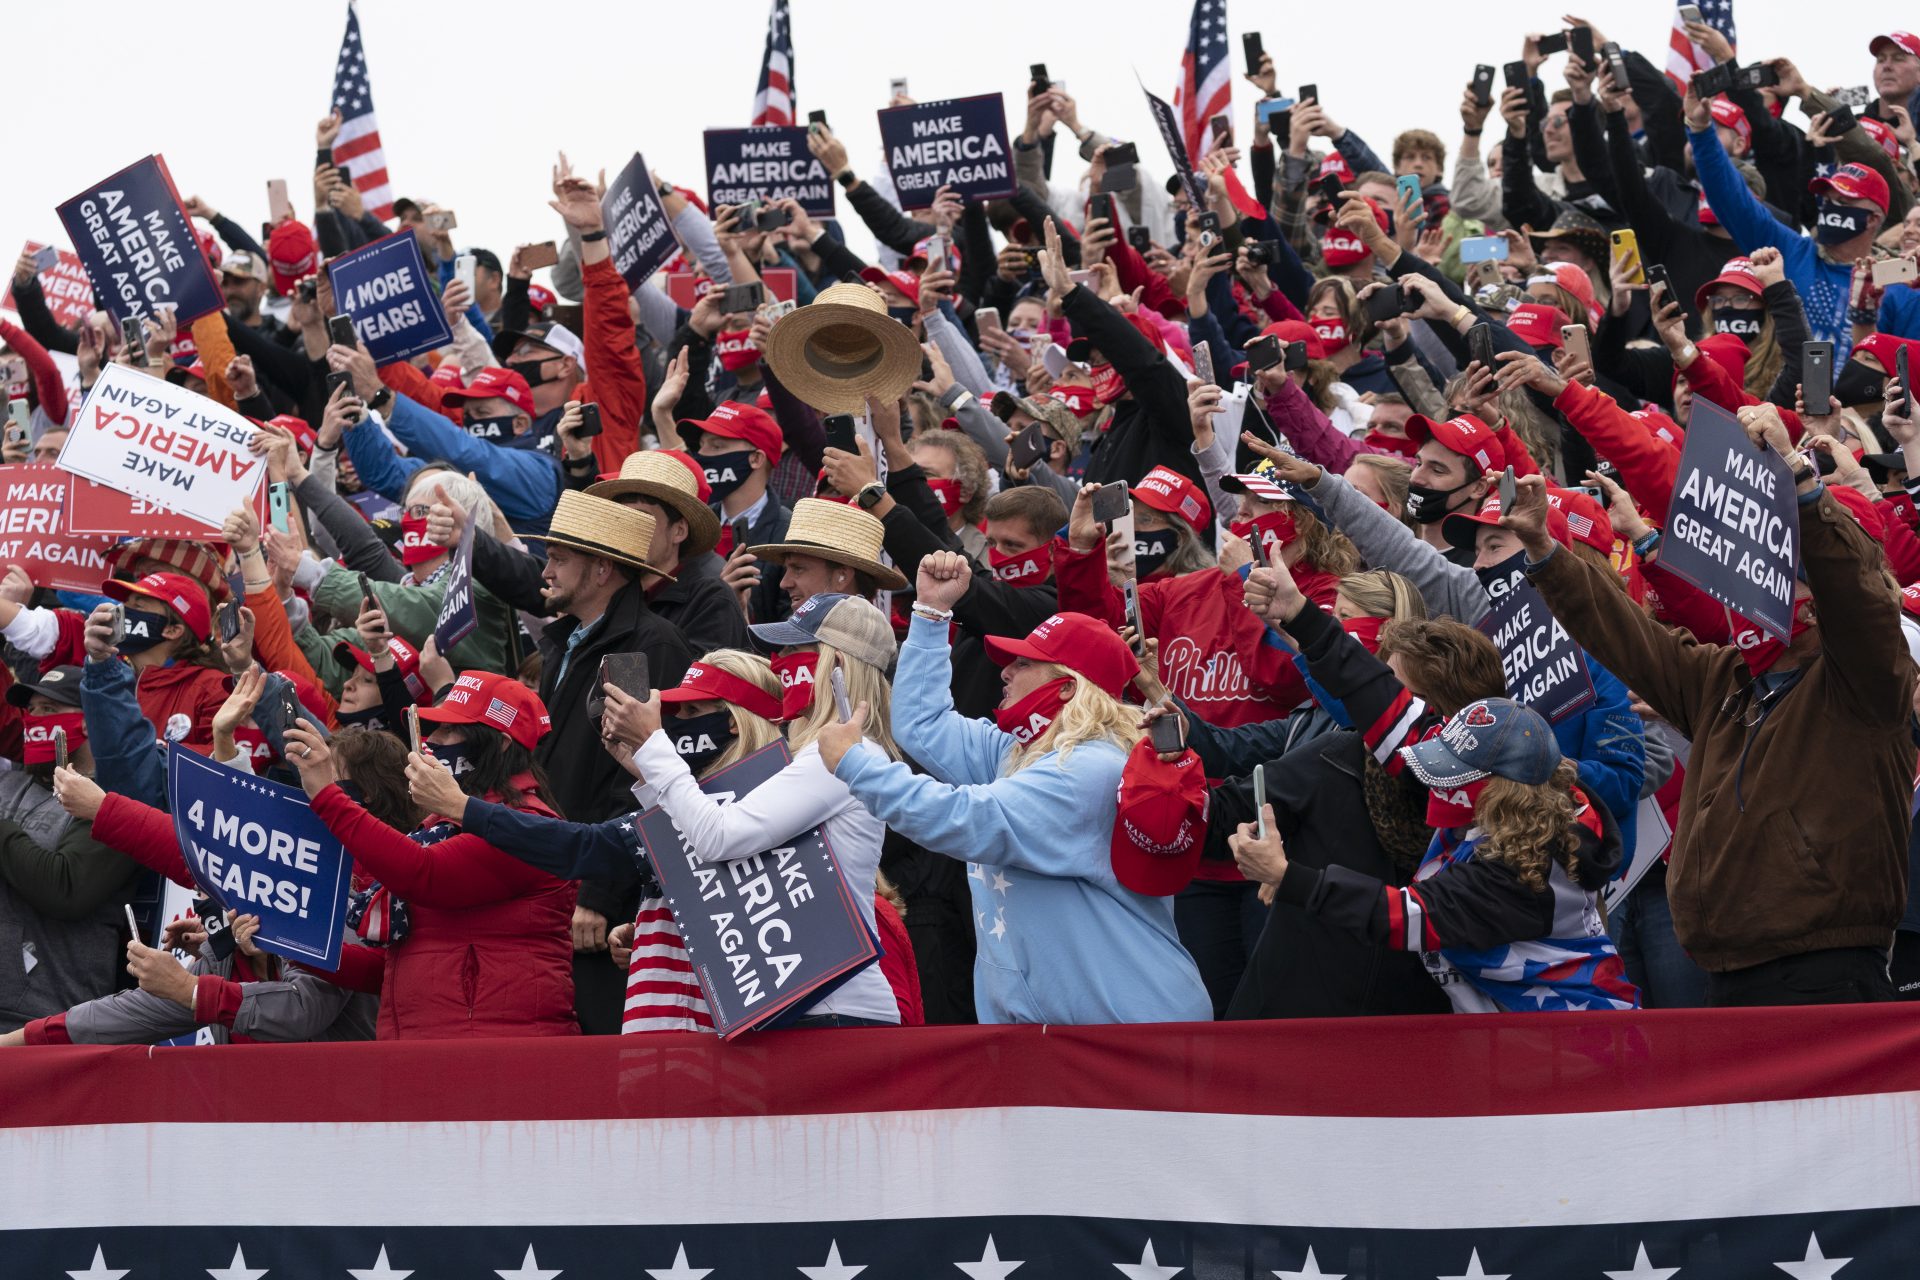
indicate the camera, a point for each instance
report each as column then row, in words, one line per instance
column 1262, row 253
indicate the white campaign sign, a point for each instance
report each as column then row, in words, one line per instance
column 164, row 444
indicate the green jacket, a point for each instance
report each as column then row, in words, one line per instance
column 411, row 612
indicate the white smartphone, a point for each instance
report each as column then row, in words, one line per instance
column 840, row 706
column 463, row 271
column 897, row 87
column 1260, row 797
column 987, row 318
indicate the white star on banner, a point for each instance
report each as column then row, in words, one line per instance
column 1148, row 1268
column 989, row 1267
column 1643, row 1269
column 832, row 1268
column 1310, row 1270
column 380, row 1270
column 1815, row 1266
column 99, row 1270
column 527, row 1270
column 1000, row 883
column 680, row 1270
column 237, row 1269
column 1473, row 1271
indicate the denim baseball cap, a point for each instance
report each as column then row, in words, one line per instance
column 1494, row 737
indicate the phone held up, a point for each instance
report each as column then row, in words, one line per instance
column 840, row 432
column 1111, row 503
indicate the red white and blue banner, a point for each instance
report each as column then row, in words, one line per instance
column 1713, row 1145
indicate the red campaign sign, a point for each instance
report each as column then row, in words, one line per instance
column 33, row 532
column 95, row 509
column 68, row 291
column 686, row 289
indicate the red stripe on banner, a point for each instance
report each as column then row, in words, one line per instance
column 372, row 180
column 1491, row 1064
column 345, row 151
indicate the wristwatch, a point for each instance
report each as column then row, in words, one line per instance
column 591, row 236
column 845, row 178
column 381, row 399
column 869, row 496
column 1805, row 474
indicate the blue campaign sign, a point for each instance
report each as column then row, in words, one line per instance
column 957, row 142
column 257, row 847
column 385, row 288
column 138, row 246
column 459, row 612
column 638, row 231
column 768, row 163
column 1167, row 121
column 766, row 935
column 1733, row 528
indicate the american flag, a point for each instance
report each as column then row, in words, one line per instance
column 1206, row 80
column 1684, row 57
column 501, row 713
column 357, row 149
column 773, row 100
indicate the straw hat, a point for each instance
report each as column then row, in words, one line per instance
column 838, row 533
column 667, row 481
column 843, row 348
column 601, row 527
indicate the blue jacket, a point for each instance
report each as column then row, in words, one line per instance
column 1822, row 284
column 1060, row 940
column 1607, row 742
column 125, row 761
column 1900, row 311
column 524, row 483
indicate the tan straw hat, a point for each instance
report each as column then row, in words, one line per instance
column 838, row 533
column 842, row 348
column 601, row 527
column 668, row 481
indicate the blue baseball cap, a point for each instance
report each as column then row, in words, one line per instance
column 1494, row 737
column 851, row 624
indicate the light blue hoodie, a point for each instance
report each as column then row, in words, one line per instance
column 1060, row 940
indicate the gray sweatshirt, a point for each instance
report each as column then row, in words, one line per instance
column 1384, row 543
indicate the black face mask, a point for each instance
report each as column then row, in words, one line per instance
column 1426, row 504
column 701, row 739
column 371, row 718
column 1838, row 223
column 905, row 315
column 143, row 632
column 495, row 429
column 1498, row 579
column 1742, row 322
column 451, row 754
column 1150, row 550
column 533, row 370
column 727, row 471
column 350, row 788
column 1857, row 384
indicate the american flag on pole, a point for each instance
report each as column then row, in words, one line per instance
column 1206, row 79
column 357, row 149
column 773, row 100
column 1684, row 57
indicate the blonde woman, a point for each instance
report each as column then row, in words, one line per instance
column 1030, row 801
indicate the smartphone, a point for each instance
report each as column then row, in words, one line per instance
column 1555, row 42
column 841, row 707
column 840, row 433
column 985, row 318
column 442, row 220
column 1906, row 387
column 1580, row 42
column 544, row 254
column 133, row 926
column 739, row 533
column 1262, row 353
column 817, row 117
column 1251, row 46
column 1484, row 249
column 367, row 598
column 1626, row 244
column 340, row 331
column 1506, row 490
column 280, row 505
column 1816, row 375
column 413, row 729
column 1222, row 127
column 1101, row 207
column 1574, row 337
column 739, row 298
column 1515, row 75
column 1309, row 92
column 341, row 379
column 1330, row 188
column 134, row 339
column 1712, row 82
column 897, row 87
column 1480, row 346
column 19, row 420
column 1111, row 504
column 228, row 618
column 1894, row 271
column 1482, row 85
column 1203, row 361
column 1295, row 356
column 1407, row 187
column 279, row 208
column 59, row 747
column 1855, row 96
column 589, row 421
column 1384, row 304
column 1165, row 732
column 1260, row 798
column 46, row 258
column 1080, row 277
column 1141, row 239
column 463, row 267
column 1131, row 590
column 1616, row 61
column 772, row 217
column 1659, row 284
column 1028, row 447
column 626, row 672
column 1840, row 119
column 1690, row 13
column 1038, row 81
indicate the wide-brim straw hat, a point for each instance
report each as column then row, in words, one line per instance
column 842, row 349
column 839, row 534
column 667, row 481
column 601, row 527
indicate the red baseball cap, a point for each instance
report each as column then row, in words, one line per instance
column 705, row 682
column 1466, row 435
column 540, row 299
column 1166, row 490
column 1885, row 349
column 1905, row 39
column 489, row 698
column 1660, row 425
column 1586, row 519
column 1853, row 182
column 405, row 657
column 1738, row 272
column 1728, row 351
column 1726, row 112
column 1160, row 825
column 292, row 255
column 496, row 382
column 1910, row 599
column 905, row 281
column 1078, row 643
column 303, row 435
column 448, row 375
column 182, row 594
column 1877, row 130
column 1339, row 247
column 1337, row 164
column 1570, row 277
column 1537, row 324
column 1297, row 331
column 743, row 422
column 1462, row 528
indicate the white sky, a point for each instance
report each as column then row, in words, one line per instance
column 475, row 97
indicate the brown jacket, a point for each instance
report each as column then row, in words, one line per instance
column 1804, row 846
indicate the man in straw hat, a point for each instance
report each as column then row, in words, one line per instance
column 596, row 565
column 831, row 547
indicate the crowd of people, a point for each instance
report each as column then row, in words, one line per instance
column 1231, row 747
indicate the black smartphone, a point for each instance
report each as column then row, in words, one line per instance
column 840, row 433
column 1551, row 43
column 1906, row 387
column 1308, row 91
column 1294, row 357
column 1028, row 447
column 816, row 117
column 1384, row 304
column 589, row 421
column 1141, row 239
column 1480, row 346
column 1251, row 46
column 367, row 598
column 1123, row 153
column 1515, row 74
column 229, row 620
column 1761, row 75
column 1580, row 41
column 1038, row 81
column 1506, row 490
column 1222, row 126
column 1617, row 61
column 340, row 331
column 1165, row 734
column 1101, row 207
column 341, row 379
column 1816, row 375
column 741, row 298
column 1715, row 80
column 1483, row 85
column 1111, row 504
column 1208, row 225
column 1659, row 285
column 739, row 533
column 1331, row 187
column 770, row 219
column 1131, row 590
column 133, row 339
column 1839, row 120
column 1262, row 353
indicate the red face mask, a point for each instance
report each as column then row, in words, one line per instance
column 796, row 681
column 39, row 735
column 948, row 491
column 1274, row 529
column 414, row 547
column 253, row 744
column 1028, row 718
column 1029, row 568
column 1333, row 334
column 1760, row 650
column 1453, row 807
column 1366, row 631
column 736, row 350
column 1108, row 385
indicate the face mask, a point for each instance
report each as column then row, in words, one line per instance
column 39, row 735
column 532, row 370
column 727, row 471
column 1366, row 631
column 500, row 428
column 143, row 632
column 414, row 547
column 1838, row 223
column 1857, row 384
column 1028, row 569
column 1333, row 334
column 1742, row 322
column 701, row 739
column 1150, row 550
column 451, row 754
column 351, row 790
column 796, row 672
column 1454, row 807
column 736, row 351
column 1426, row 504
column 368, row 719
column 948, row 491
column 253, row 744
column 1108, row 385
column 905, row 315
column 1760, row 650
column 1498, row 579
column 1274, row 529
column 1028, row 718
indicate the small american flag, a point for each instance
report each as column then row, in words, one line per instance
column 773, row 100
column 501, row 713
column 1684, row 57
column 1206, row 81
column 357, row 149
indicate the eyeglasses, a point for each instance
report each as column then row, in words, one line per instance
column 419, row 510
column 1554, row 122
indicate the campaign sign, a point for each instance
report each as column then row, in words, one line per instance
column 686, row 289
column 1733, row 528
column 1167, row 120
column 96, row 509
column 1545, row 669
column 638, row 230
column 138, row 246
column 768, row 163
column 34, row 534
column 459, row 613
column 765, row 934
column 175, row 449
column 256, row 847
column 64, row 285
column 384, row 287
column 956, row 142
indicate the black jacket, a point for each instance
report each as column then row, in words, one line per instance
column 701, row 606
column 767, row 602
column 1152, row 427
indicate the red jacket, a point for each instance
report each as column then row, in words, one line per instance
column 897, row 962
column 613, row 362
column 490, row 948
column 185, row 690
